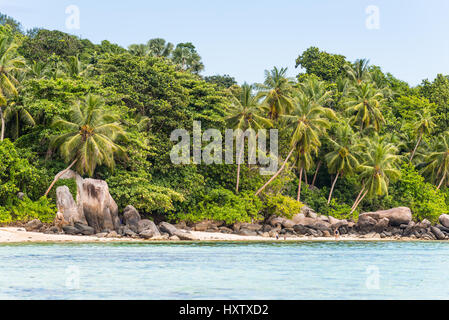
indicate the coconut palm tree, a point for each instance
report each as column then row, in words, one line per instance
column 244, row 114
column 378, row 168
column 423, row 125
column 302, row 158
column 16, row 115
column 276, row 92
column 38, row 70
column 308, row 121
column 139, row 50
column 159, row 47
column 364, row 104
column 316, row 90
column 88, row 137
column 73, row 67
column 10, row 64
column 343, row 158
column 438, row 161
column 358, row 71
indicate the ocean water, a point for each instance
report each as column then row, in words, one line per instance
column 280, row 270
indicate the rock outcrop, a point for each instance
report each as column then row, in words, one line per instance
column 396, row 216
column 131, row 218
column 94, row 206
column 68, row 207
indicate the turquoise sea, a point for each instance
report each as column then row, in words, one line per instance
column 281, row 270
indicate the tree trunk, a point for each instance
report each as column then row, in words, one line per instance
column 2, row 134
column 357, row 203
column 316, row 173
column 238, row 167
column 358, row 197
column 58, row 176
column 276, row 174
column 416, row 147
column 299, row 185
column 305, row 176
column 441, row 182
column 332, row 188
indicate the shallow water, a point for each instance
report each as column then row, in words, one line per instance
column 308, row 270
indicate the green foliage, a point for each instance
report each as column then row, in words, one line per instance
column 17, row 175
column 70, row 183
column 281, row 206
column 134, row 188
column 224, row 205
column 425, row 201
column 27, row 210
column 325, row 65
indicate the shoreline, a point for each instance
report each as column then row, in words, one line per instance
column 13, row 235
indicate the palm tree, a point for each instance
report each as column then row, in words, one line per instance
column 358, row 71
column 73, row 67
column 438, row 161
column 88, row 138
column 423, row 126
column 139, row 50
column 378, row 169
column 186, row 56
column 159, row 47
column 10, row 64
column 38, row 70
column 276, row 92
column 302, row 158
column 308, row 121
column 243, row 115
column 316, row 90
column 364, row 104
column 343, row 158
column 16, row 114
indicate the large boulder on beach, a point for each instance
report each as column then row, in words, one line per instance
column 148, row 228
column 438, row 233
column 34, row 225
column 131, row 218
column 365, row 223
column 173, row 231
column 68, row 207
column 100, row 210
column 396, row 216
column 444, row 220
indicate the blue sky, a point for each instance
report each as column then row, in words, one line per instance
column 243, row 38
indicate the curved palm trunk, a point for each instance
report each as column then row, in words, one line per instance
column 299, row 185
column 316, row 173
column 360, row 200
column 441, row 182
column 276, row 174
column 332, row 188
column 305, row 176
column 2, row 135
column 416, row 147
column 58, row 176
column 358, row 197
column 238, row 169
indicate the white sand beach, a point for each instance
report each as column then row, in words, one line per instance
column 19, row 235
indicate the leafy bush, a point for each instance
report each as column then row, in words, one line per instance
column 423, row 198
column 134, row 188
column 70, row 183
column 223, row 205
column 27, row 210
column 17, row 175
column 281, row 206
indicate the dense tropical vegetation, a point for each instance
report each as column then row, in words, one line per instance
column 351, row 137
